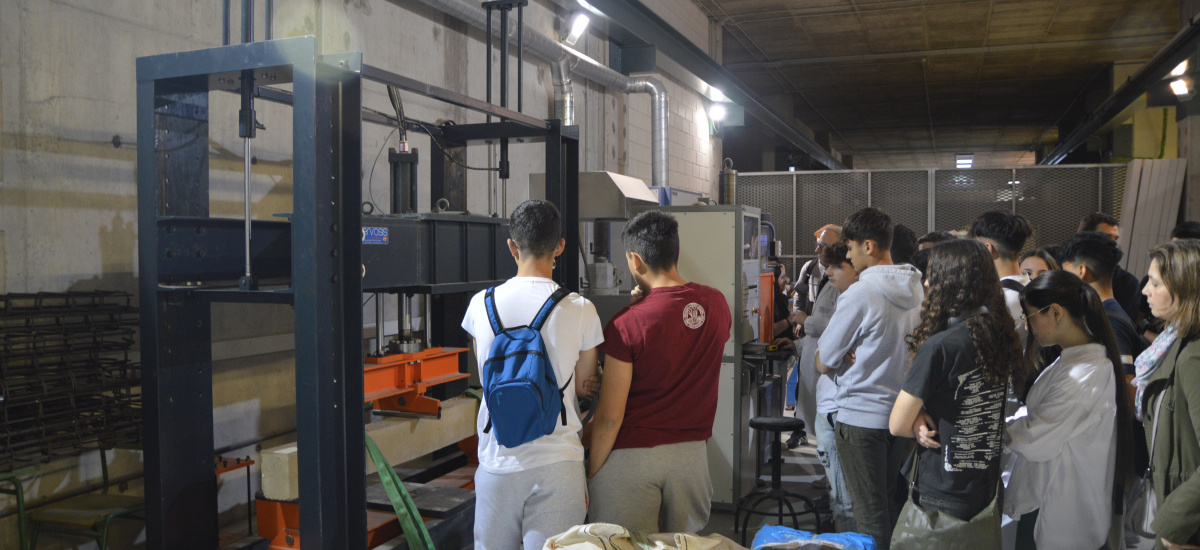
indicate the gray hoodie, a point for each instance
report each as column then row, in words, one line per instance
column 873, row 316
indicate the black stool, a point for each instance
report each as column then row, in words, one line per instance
column 774, row 425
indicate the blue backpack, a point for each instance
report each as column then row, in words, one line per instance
column 523, row 397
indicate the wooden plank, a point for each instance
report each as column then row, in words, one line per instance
column 1133, row 179
column 1143, row 217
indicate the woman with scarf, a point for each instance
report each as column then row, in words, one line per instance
column 1168, row 393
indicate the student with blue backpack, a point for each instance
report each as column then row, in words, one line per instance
column 535, row 343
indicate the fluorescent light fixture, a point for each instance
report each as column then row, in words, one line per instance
column 716, row 112
column 579, row 24
column 585, row 5
column 1180, row 69
column 964, row 160
column 1180, row 86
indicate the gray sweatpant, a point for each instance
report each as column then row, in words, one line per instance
column 528, row 507
column 664, row 489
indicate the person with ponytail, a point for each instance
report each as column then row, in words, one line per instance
column 1168, row 386
column 1071, row 443
column 952, row 401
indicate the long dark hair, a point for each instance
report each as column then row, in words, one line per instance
column 1082, row 303
column 962, row 278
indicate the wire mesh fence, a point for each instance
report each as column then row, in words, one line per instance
column 1052, row 198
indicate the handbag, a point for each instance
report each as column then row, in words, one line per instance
column 1143, row 503
column 918, row 528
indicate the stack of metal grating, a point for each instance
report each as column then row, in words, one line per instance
column 67, row 381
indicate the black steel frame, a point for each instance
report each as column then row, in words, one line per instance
column 185, row 255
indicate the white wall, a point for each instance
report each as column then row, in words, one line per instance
column 68, row 218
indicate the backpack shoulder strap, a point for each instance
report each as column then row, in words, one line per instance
column 552, row 301
column 489, row 303
column 1012, row 285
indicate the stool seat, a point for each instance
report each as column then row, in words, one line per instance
column 777, row 423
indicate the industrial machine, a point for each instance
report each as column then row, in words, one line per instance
column 320, row 260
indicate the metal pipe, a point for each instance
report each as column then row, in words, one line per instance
column 1175, row 52
column 660, row 111
column 489, row 59
column 564, row 94
column 268, row 16
column 584, row 67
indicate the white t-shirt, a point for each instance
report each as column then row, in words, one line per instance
column 573, row 326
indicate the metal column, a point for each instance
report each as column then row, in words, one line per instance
column 184, row 260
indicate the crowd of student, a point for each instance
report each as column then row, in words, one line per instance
column 940, row 376
column 1031, row 384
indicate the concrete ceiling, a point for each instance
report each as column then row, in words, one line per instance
column 910, row 83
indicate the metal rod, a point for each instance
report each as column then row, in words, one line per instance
column 225, row 22
column 425, row 322
column 246, row 200
column 270, row 11
column 520, row 54
column 247, row 21
column 379, row 324
column 504, row 58
column 489, row 59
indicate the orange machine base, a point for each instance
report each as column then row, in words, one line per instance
column 279, row 522
column 399, row 382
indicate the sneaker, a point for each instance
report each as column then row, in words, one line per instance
column 797, row 439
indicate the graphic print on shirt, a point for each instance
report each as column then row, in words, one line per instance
column 977, row 441
column 693, row 315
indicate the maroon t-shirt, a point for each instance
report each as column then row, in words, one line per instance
column 674, row 337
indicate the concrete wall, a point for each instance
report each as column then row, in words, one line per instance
column 68, row 217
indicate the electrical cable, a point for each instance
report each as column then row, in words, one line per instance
column 371, row 177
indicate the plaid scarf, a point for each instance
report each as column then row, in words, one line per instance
column 1149, row 361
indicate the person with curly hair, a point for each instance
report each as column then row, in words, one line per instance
column 952, row 401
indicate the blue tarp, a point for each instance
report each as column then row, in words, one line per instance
column 773, row 535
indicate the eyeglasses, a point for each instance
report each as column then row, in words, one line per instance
column 1025, row 318
column 821, row 244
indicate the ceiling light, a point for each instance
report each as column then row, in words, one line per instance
column 716, row 94
column 964, row 160
column 1180, row 87
column 579, row 23
column 716, row 112
column 1180, row 69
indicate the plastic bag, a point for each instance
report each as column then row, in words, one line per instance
column 779, row 537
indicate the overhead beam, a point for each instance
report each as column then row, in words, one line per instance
column 975, row 50
column 640, row 20
column 1182, row 46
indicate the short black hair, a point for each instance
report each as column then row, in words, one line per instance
column 654, row 236
column 536, row 227
column 1091, row 221
column 1096, row 250
column 1007, row 230
column 920, row 260
column 869, row 224
column 936, row 237
column 836, row 254
column 1186, row 230
column 904, row 243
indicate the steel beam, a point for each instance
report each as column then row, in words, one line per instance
column 640, row 20
column 389, row 78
